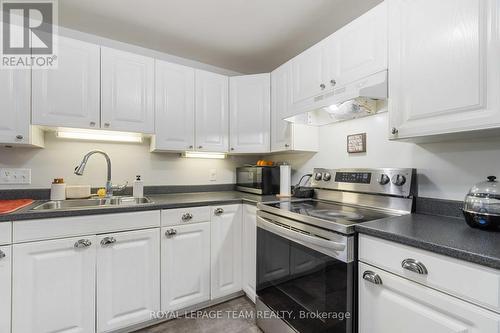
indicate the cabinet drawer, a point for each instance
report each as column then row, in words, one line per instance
column 185, row 215
column 25, row 231
column 5, row 233
column 468, row 281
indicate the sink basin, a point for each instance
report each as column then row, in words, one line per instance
column 92, row 203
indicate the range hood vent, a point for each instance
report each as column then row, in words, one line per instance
column 355, row 100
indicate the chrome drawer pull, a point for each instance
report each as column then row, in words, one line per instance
column 414, row 266
column 83, row 243
column 108, row 241
column 219, row 211
column 2, row 254
column 170, row 232
column 186, row 217
column 372, row 277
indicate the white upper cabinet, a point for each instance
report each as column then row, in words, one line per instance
column 249, row 103
column 68, row 96
column 185, row 258
column 226, row 247
column 53, row 288
column 5, row 288
column 128, row 278
column 286, row 136
column 174, row 108
column 443, row 67
column 358, row 49
column 127, row 91
column 15, row 128
column 212, row 112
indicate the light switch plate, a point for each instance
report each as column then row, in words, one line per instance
column 15, row 176
column 212, row 175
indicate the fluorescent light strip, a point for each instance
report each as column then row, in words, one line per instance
column 198, row 154
column 98, row 135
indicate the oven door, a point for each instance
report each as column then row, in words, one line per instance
column 305, row 276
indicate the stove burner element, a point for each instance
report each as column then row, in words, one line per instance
column 327, row 213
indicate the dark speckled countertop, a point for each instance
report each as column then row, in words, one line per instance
column 161, row 201
column 444, row 235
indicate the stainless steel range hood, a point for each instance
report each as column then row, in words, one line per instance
column 355, row 100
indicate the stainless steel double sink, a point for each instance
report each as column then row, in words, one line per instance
column 92, row 203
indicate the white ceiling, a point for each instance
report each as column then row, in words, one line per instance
column 247, row 36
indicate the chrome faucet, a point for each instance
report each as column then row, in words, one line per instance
column 110, row 188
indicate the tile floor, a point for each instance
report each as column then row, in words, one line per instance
column 235, row 316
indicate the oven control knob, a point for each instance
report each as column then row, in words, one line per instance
column 327, row 176
column 318, row 176
column 399, row 180
column 383, row 179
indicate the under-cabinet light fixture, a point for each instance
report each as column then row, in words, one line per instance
column 199, row 154
column 98, row 135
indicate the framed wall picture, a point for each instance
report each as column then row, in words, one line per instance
column 356, row 143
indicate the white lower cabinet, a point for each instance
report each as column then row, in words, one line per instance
column 128, row 278
column 226, row 250
column 249, row 254
column 185, row 256
column 5, row 288
column 397, row 305
column 53, row 288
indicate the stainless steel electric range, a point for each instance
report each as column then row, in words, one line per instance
column 306, row 249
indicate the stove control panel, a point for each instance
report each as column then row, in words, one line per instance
column 389, row 181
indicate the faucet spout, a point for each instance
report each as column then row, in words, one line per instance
column 81, row 168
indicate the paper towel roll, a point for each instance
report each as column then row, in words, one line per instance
column 285, row 180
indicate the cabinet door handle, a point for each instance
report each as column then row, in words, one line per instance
column 322, row 86
column 2, row 254
column 333, row 82
column 170, row 232
column 186, row 217
column 414, row 266
column 108, row 241
column 190, row 147
column 83, row 243
column 218, row 211
column 200, row 147
column 372, row 277
column 92, row 123
column 287, row 145
column 19, row 137
column 106, row 124
column 394, row 131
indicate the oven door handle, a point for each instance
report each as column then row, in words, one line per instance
column 295, row 235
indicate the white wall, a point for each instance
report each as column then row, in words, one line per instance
column 59, row 158
column 446, row 170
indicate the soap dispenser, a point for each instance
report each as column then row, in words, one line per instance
column 138, row 190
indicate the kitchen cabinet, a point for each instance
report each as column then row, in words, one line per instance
column 226, row 250
column 249, row 254
column 5, row 287
column 15, row 128
column 128, row 278
column 185, row 257
column 250, row 107
column 68, row 96
column 428, row 41
column 211, row 112
column 174, row 108
column 53, row 288
column 127, row 91
column 287, row 136
column 396, row 305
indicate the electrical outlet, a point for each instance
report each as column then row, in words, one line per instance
column 15, row 176
column 212, row 175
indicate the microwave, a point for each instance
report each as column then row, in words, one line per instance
column 263, row 180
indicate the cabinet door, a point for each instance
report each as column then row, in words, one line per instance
column 249, row 250
column 5, row 288
column 359, row 49
column 443, row 64
column 250, row 107
column 185, row 268
column 398, row 305
column 15, row 106
column 68, row 96
column 174, row 107
column 281, row 132
column 226, row 250
column 127, row 90
column 53, row 286
column 212, row 114
column 128, row 278
column 308, row 72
